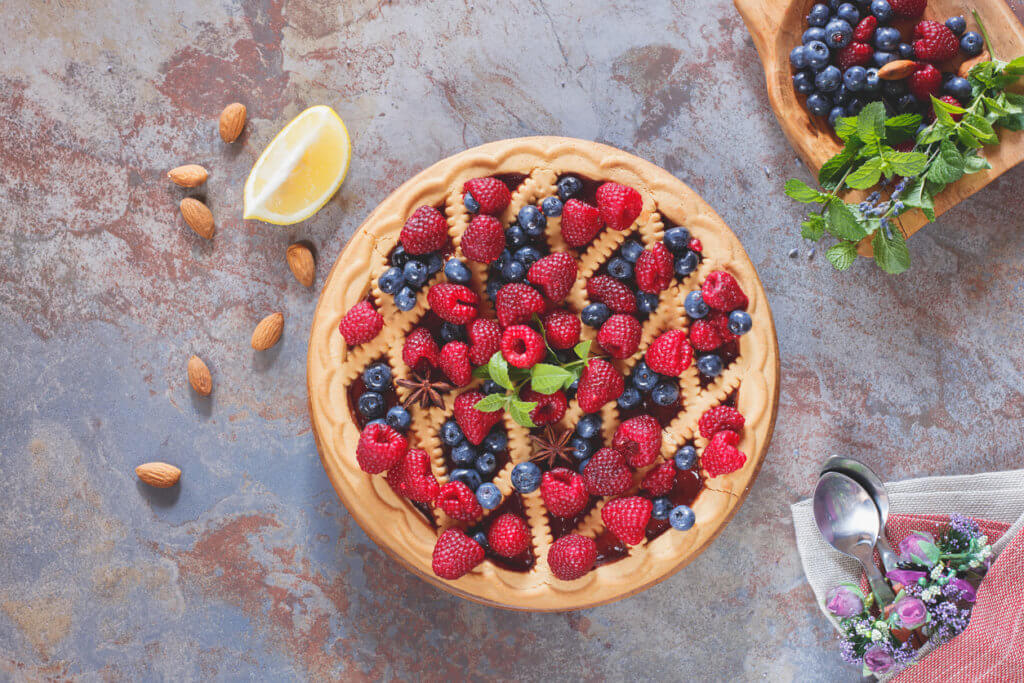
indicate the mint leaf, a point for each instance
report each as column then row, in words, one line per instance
column 981, row 129
column 907, row 164
column 582, row 350
column 974, row 163
column 891, row 255
column 481, row 372
column 842, row 222
column 1015, row 67
column 813, row 228
column 520, row 412
column 930, row 135
column 967, row 138
column 1013, row 122
column 917, row 197
column 867, row 175
column 800, row 191
column 832, row 171
column 547, row 379
column 871, row 123
column 902, row 127
column 842, row 255
column 948, row 166
column 497, row 366
column 846, row 129
column 491, row 403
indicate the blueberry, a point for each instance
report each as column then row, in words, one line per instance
column 882, row 10
column 814, row 33
column 972, row 43
column 666, row 393
column 958, row 87
column 492, row 288
column 581, row 448
column 848, row 13
column 515, row 236
column 485, row 464
column 687, row 263
column 887, row 38
column 677, row 240
column 710, row 365
column 681, row 518
column 838, row 34
column 906, row 51
column 629, row 399
column 881, row 58
column 957, row 25
column 740, row 322
column 834, row 115
column 798, row 57
column 399, row 418
column 582, row 466
column 686, row 458
column 451, row 434
column 631, row 250
column 456, row 271
column 472, row 205
column 619, row 268
column 371, row 405
column 391, row 281
column 495, row 442
column 551, row 206
column 452, row 332
column 894, row 89
column 532, row 220
column 644, row 378
column 819, row 15
column 526, row 475
column 433, row 262
column 504, row 257
column 464, row 455
column 488, row 496
column 828, row 79
column 855, row 78
column 589, row 426
column 513, row 271
column 594, row 315
column 660, row 508
column 405, row 300
column 854, row 107
column 399, row 256
column 841, row 96
column 817, row 54
column 492, row 387
column 872, row 82
column 646, row 302
column 569, row 186
column 571, row 390
column 803, row 82
column 481, row 538
column 470, row 478
column 527, row 256
column 377, row 377
column 415, row 274
column 695, row 306
column 818, row 105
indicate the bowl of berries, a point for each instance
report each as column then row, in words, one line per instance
column 543, row 374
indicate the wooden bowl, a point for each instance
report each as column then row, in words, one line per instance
column 777, row 27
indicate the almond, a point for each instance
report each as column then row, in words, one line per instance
column 268, row 331
column 158, row 474
column 189, row 175
column 232, row 121
column 895, row 70
column 199, row 376
column 300, row 260
column 968, row 64
column 198, row 217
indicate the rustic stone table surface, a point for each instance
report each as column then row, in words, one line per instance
column 251, row 568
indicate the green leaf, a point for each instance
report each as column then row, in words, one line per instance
column 871, row 123
column 948, row 166
column 582, row 350
column 939, row 105
column 967, row 138
column 813, row 228
column 867, row 175
column 497, row 366
column 520, row 412
column 480, row 372
column 916, row 196
column 491, row 403
column 974, row 163
column 1012, row 122
column 842, row 222
column 802, row 192
column 891, row 255
column 1013, row 103
column 842, row 255
column 846, row 129
column 547, row 379
column 907, row 164
column 981, row 129
column 902, row 127
column 995, row 106
column 1015, row 67
column 832, row 170
column 930, row 134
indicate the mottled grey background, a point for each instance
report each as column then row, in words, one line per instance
column 251, row 568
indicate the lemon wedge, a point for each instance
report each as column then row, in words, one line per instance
column 300, row 170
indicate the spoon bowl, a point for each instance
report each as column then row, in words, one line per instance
column 865, row 476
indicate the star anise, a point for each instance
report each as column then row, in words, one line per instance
column 423, row 390
column 552, row 447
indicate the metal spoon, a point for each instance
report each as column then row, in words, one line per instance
column 848, row 519
column 865, row 476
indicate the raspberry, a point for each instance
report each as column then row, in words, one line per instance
column 411, row 477
column 562, row 329
column 935, row 42
column 517, row 303
column 550, row 407
column 599, row 384
column 571, row 557
column 425, row 231
column 908, row 9
column 484, row 340
column 607, row 474
column 865, row 29
column 361, row 324
column 720, row 456
column 925, row 82
column 509, row 536
column 721, row 291
column 555, row 274
column 619, row 205
column 720, row 321
column 455, row 554
column 563, row 492
column 380, row 448
column 580, row 223
column 627, row 518
column 484, row 239
column 521, row 346
column 695, row 245
column 639, row 440
column 620, row 335
column 475, row 424
column 855, row 54
column 661, row 480
column 490, row 193
column 718, row 418
column 420, row 351
column 704, row 335
column 459, row 502
column 670, row 353
column 612, row 293
column 455, row 303
column 454, row 363
column 654, row 269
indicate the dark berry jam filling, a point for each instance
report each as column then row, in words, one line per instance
column 563, row 526
column 424, row 510
column 688, row 487
column 609, row 548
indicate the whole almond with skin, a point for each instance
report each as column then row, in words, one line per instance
column 198, row 217
column 968, row 64
column 189, row 175
column 199, row 376
column 158, row 474
column 300, row 260
column 268, row 331
column 897, row 69
column 232, row 121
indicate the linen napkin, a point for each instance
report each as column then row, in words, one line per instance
column 997, row 498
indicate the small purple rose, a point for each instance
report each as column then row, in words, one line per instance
column 967, row 591
column 907, row 577
column 877, row 660
column 919, row 548
column 845, row 600
column 910, row 612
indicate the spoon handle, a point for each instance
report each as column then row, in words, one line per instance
column 883, row 593
column 886, row 552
